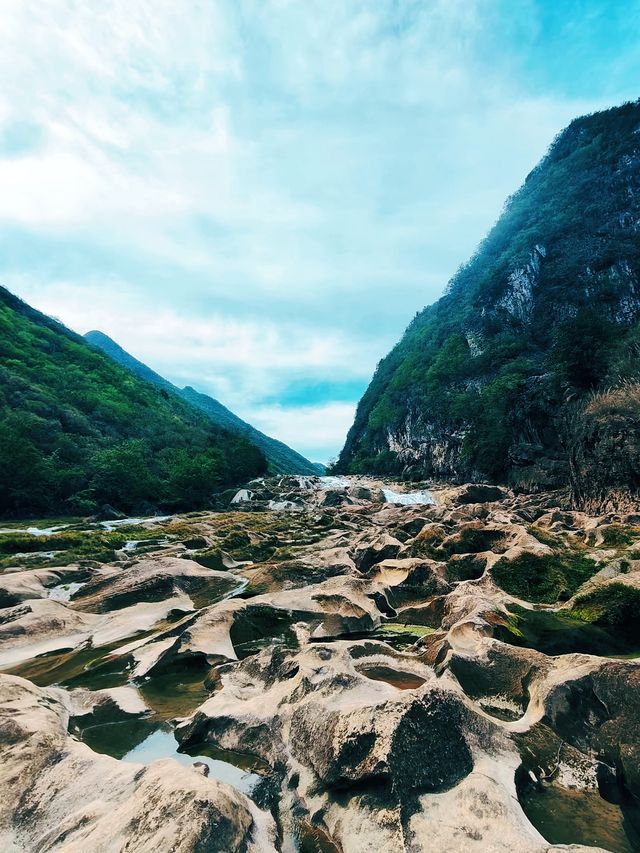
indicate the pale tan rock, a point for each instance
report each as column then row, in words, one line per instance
column 58, row 795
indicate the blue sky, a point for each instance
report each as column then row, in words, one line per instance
column 256, row 196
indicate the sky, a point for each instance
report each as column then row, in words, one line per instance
column 255, row 197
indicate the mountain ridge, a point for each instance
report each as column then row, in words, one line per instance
column 282, row 458
column 77, row 430
column 496, row 379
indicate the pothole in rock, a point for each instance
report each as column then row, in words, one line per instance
column 88, row 667
column 64, row 591
column 401, row 679
column 498, row 684
column 142, row 741
column 313, row 839
column 92, row 667
column 503, row 710
column 570, row 816
column 178, row 691
column 257, row 627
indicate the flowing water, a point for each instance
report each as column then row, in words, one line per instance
column 422, row 498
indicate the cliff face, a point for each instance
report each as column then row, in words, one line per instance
column 496, row 380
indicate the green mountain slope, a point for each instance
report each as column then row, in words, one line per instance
column 282, row 459
column 77, row 430
column 525, row 371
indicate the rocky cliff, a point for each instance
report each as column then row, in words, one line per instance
column 526, row 370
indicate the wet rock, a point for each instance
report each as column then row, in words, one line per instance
column 109, row 513
column 242, row 496
column 365, row 493
column 216, row 558
column 335, row 498
column 410, row 579
column 196, row 543
column 41, row 626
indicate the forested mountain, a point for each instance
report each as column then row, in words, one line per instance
column 526, row 370
column 281, row 458
column 78, row 430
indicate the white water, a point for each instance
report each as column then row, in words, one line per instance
column 408, row 498
column 35, row 531
column 124, row 522
column 64, row 591
column 333, row 482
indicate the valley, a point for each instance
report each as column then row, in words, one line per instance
column 332, row 664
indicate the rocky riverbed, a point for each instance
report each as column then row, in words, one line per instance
column 323, row 664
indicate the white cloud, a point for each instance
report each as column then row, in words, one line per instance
column 252, row 193
column 234, row 359
column 315, row 431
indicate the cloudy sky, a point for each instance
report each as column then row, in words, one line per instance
column 255, row 197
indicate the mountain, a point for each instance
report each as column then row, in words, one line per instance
column 281, row 458
column 526, row 371
column 78, row 430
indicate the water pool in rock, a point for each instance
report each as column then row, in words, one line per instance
column 566, row 816
column 144, row 741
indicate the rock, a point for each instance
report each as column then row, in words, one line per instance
column 18, row 586
column 410, row 579
column 59, row 795
column 242, row 496
column 367, row 554
column 475, row 493
column 109, row 513
column 197, row 543
column 153, row 580
column 41, row 626
column 408, row 746
column 367, row 743
column 216, row 559
column 335, row 497
column 365, row 493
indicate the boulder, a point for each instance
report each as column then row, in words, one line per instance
column 476, row 493
column 368, row 553
column 153, row 580
column 109, row 513
column 59, row 795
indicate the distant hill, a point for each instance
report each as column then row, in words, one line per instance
column 78, row 430
column 281, row 458
column 527, row 370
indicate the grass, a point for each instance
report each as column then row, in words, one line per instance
column 615, row 607
column 545, row 579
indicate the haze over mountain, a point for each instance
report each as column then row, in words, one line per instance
column 282, row 459
column 527, row 370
